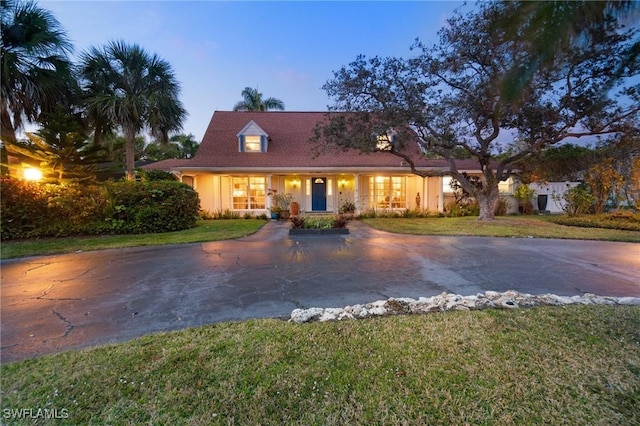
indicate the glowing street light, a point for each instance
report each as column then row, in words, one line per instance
column 32, row 174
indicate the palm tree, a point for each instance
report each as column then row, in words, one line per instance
column 36, row 72
column 252, row 101
column 187, row 144
column 130, row 89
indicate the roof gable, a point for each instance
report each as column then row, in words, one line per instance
column 252, row 129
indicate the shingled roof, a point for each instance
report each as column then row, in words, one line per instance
column 290, row 146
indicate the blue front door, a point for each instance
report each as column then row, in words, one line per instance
column 319, row 194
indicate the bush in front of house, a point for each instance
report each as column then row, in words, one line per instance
column 155, row 206
column 34, row 210
column 155, row 175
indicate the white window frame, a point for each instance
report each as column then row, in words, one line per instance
column 248, row 192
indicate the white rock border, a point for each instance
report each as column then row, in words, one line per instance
column 453, row 302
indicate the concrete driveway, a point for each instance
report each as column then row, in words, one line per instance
column 55, row 303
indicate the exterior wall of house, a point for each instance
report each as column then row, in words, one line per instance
column 554, row 191
column 203, row 184
column 216, row 191
column 435, row 199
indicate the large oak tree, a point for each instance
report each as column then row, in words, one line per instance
column 451, row 96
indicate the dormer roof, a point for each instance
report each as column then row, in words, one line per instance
column 252, row 129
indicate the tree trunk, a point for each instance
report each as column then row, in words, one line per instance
column 129, row 154
column 487, row 203
column 7, row 132
column 8, row 136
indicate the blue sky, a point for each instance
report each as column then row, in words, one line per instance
column 287, row 50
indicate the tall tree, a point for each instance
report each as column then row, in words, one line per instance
column 36, row 72
column 133, row 90
column 551, row 27
column 252, row 101
column 450, row 97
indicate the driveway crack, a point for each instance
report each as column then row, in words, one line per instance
column 46, row 292
column 62, row 318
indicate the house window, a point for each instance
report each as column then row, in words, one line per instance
column 386, row 141
column 252, row 143
column 248, row 193
column 446, row 184
column 506, row 186
column 388, row 192
column 188, row 180
column 252, row 138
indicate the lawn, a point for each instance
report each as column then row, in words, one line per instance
column 506, row 226
column 205, row 230
column 572, row 365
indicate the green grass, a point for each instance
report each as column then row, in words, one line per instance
column 573, row 365
column 510, row 226
column 205, row 230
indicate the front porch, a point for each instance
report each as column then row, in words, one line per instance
column 319, row 192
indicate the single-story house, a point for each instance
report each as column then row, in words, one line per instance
column 244, row 155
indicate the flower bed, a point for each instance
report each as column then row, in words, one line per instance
column 318, row 225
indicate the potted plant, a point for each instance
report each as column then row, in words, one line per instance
column 275, row 212
column 347, row 209
column 280, row 203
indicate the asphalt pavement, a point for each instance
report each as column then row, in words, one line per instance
column 55, row 303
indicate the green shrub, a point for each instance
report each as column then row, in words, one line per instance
column 454, row 209
column 156, row 206
column 155, row 175
column 33, row 210
column 318, row 222
column 627, row 221
column 578, row 200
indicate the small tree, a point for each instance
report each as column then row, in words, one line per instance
column 61, row 148
column 524, row 195
column 577, row 200
column 605, row 183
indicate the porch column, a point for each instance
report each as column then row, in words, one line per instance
column 440, row 195
column 267, row 202
column 425, row 193
column 356, row 192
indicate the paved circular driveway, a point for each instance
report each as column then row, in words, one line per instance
column 54, row 303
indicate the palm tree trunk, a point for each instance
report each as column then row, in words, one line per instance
column 129, row 154
column 8, row 133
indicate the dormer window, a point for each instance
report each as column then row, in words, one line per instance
column 252, row 138
column 386, row 141
column 252, row 143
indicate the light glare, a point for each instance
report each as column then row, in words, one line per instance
column 32, row 174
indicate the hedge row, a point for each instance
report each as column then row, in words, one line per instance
column 33, row 210
column 626, row 221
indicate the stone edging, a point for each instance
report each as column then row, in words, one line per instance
column 453, row 302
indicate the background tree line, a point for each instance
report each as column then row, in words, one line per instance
column 88, row 113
